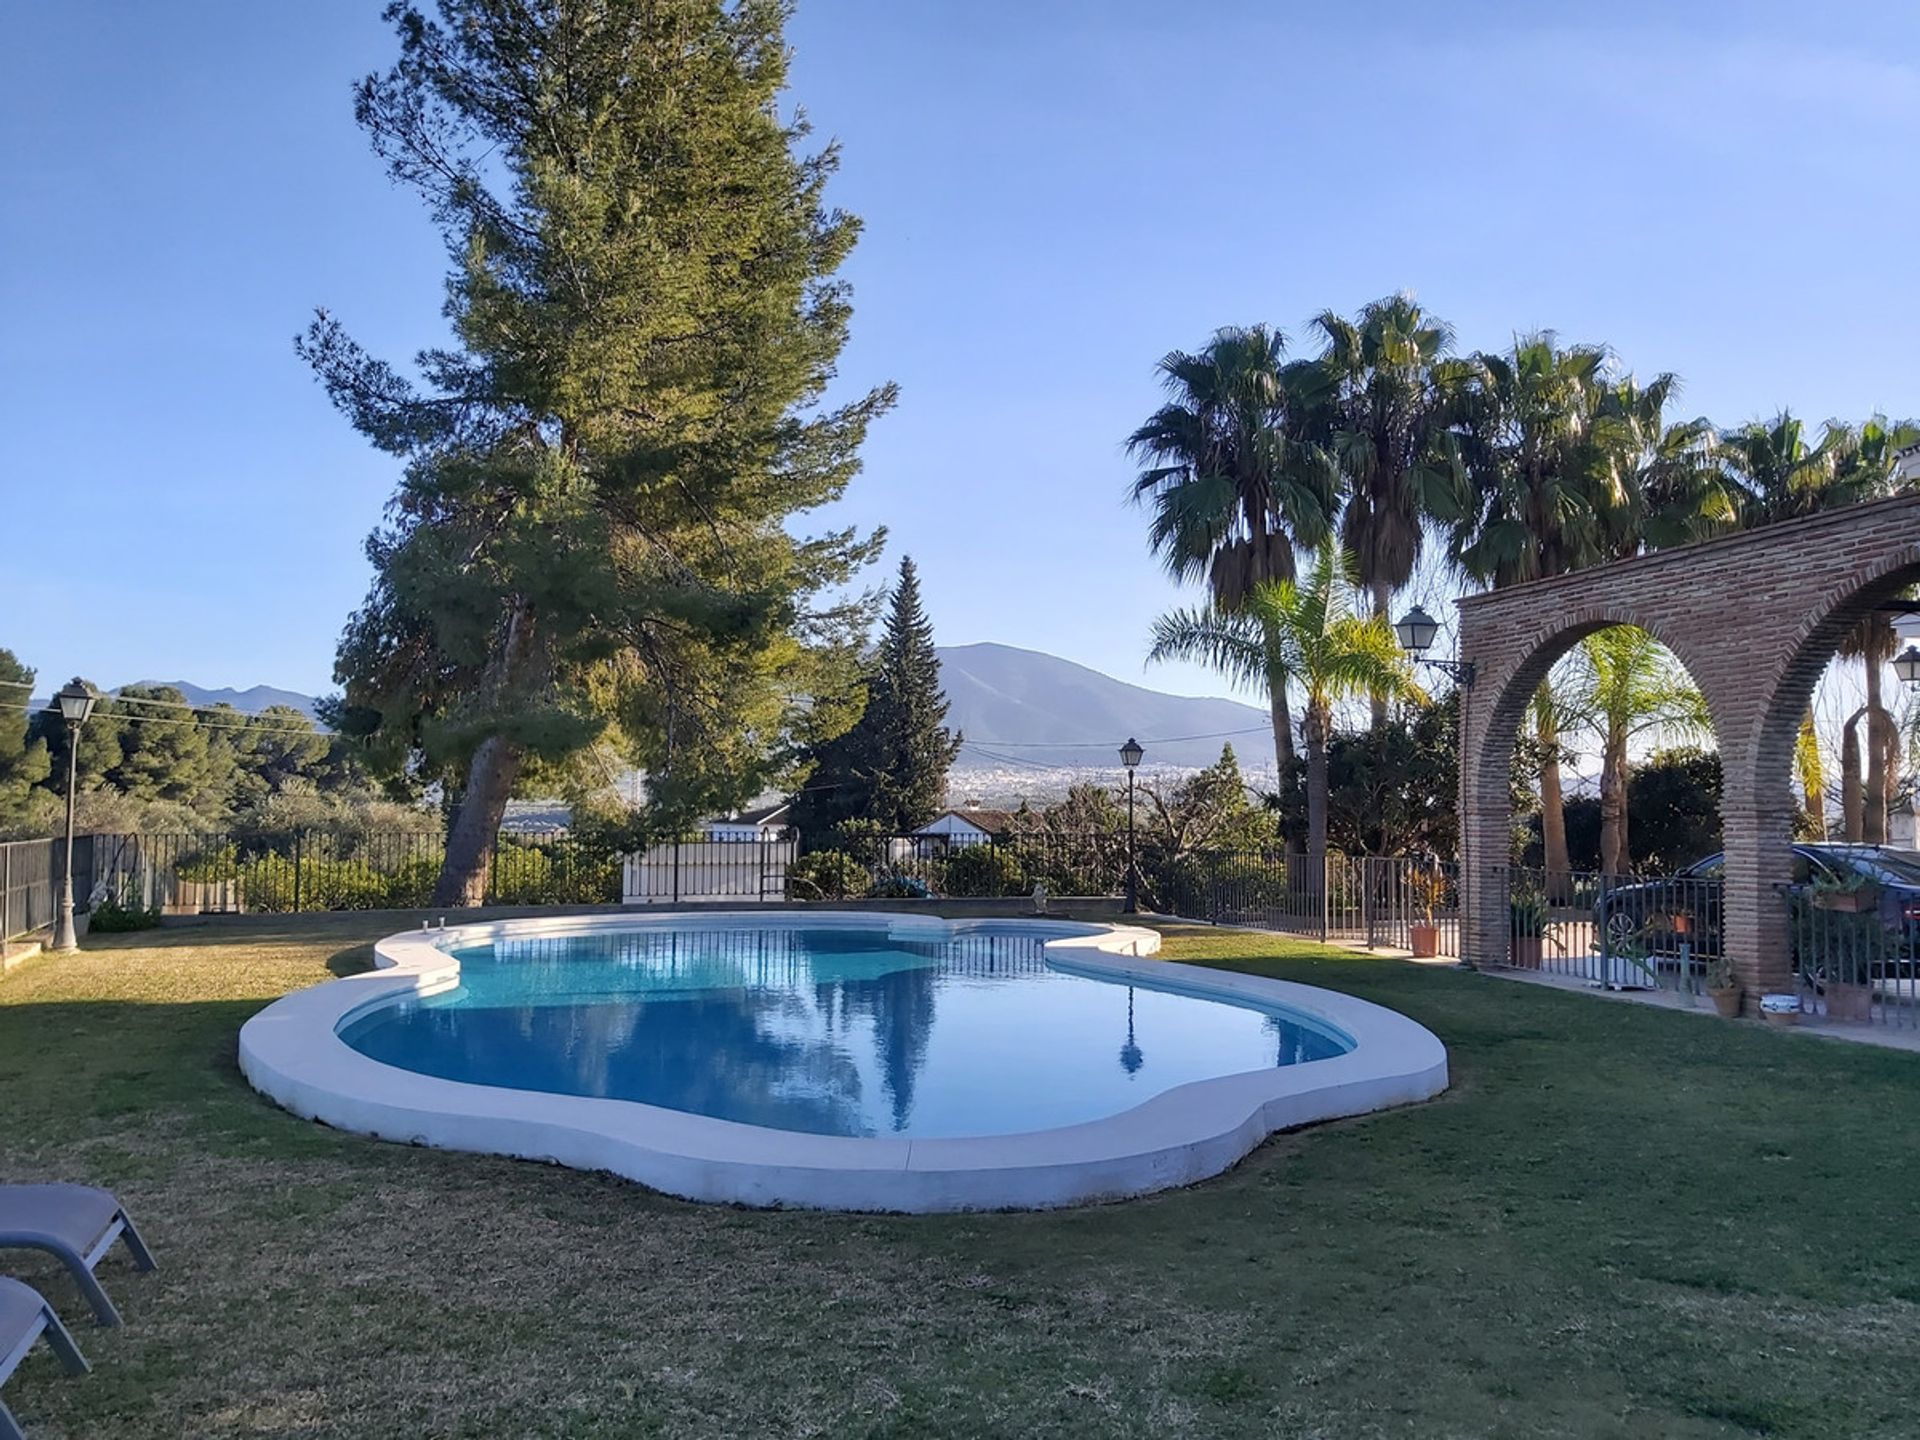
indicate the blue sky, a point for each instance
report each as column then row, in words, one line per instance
column 1055, row 194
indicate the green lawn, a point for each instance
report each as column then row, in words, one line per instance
column 1620, row 1221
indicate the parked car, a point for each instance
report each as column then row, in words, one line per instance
column 1682, row 913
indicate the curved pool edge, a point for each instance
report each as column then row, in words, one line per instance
column 291, row 1052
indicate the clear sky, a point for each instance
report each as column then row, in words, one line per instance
column 1055, row 194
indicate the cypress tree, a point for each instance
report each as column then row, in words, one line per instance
column 591, row 551
column 891, row 766
column 912, row 748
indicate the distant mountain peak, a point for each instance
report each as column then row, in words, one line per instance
column 250, row 701
column 1053, row 712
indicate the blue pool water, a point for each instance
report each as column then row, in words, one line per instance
column 832, row 1032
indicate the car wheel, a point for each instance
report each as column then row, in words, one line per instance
column 1623, row 927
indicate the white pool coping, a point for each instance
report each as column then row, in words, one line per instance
column 292, row 1052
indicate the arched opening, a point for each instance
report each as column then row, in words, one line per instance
column 1851, row 956
column 1590, row 699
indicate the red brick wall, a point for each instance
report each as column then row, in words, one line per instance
column 1755, row 618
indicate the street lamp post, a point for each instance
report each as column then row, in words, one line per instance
column 76, row 704
column 1416, row 631
column 1130, row 756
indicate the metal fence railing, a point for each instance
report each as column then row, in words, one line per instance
column 29, row 886
column 1371, row 901
column 237, row 873
column 1856, row 953
column 1623, row 932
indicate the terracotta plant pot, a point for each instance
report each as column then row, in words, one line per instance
column 1781, row 1017
column 1849, row 1002
column 1846, row 902
column 1682, row 924
column 1425, row 940
column 1726, row 1001
column 1526, row 952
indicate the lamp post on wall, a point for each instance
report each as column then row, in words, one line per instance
column 76, row 704
column 1130, row 756
column 1416, row 631
column 1906, row 665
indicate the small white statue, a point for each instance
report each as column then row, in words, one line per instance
column 1039, row 897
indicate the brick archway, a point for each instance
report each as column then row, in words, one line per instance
column 1754, row 617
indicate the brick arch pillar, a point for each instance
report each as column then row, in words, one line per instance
column 1511, row 657
column 1754, row 617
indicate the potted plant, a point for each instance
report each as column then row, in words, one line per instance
column 1852, row 948
column 1722, row 988
column 1427, row 888
column 1856, row 894
column 1527, row 924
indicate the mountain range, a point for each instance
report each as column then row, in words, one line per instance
column 1022, row 707
column 252, row 700
column 1018, row 709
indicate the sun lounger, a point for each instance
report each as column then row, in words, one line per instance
column 77, row 1224
column 24, row 1318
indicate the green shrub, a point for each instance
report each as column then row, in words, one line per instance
column 826, row 875
column 985, row 870
column 410, row 886
column 206, row 867
column 110, row 917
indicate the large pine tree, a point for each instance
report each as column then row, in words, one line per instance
column 590, row 552
column 891, row 767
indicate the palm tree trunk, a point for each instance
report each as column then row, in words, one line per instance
column 1873, row 827
column 1614, row 855
column 1283, row 753
column 1553, row 814
column 1318, row 723
column 1852, row 794
column 1382, row 607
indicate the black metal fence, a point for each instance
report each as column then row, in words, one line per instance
column 212, row 874
column 29, row 886
column 1856, row 953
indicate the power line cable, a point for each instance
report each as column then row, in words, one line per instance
column 251, row 729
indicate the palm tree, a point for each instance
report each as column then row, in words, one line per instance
column 1775, row 474
column 1231, row 486
column 1665, row 478
column 1539, row 497
column 1304, row 631
column 1378, row 400
column 1624, row 684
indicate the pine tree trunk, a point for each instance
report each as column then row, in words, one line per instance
column 1553, row 815
column 1614, row 856
column 1382, row 607
column 1852, row 795
column 491, row 776
column 468, row 869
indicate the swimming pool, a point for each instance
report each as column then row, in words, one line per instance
column 828, row 1030
column 861, row 1060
